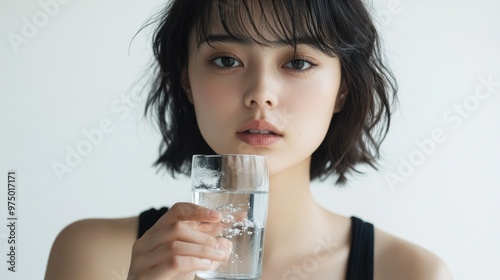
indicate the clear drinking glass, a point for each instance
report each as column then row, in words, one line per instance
column 238, row 187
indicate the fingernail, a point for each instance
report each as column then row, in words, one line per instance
column 206, row 261
column 213, row 214
column 220, row 253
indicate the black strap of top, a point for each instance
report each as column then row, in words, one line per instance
column 360, row 263
column 148, row 218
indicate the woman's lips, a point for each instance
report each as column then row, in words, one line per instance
column 258, row 139
column 262, row 125
column 259, row 133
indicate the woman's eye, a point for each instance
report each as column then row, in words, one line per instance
column 226, row 62
column 299, row 64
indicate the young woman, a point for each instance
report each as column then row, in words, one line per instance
column 299, row 81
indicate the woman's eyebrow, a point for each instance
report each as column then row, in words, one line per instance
column 247, row 41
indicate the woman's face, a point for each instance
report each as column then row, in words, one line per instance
column 252, row 99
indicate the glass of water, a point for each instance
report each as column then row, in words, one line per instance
column 237, row 186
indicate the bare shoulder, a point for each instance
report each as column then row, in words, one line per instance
column 396, row 258
column 93, row 249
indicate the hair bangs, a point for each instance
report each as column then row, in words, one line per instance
column 264, row 22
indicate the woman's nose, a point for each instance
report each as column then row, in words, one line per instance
column 262, row 91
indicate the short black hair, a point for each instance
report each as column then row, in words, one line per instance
column 341, row 28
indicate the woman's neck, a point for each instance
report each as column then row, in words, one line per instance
column 295, row 219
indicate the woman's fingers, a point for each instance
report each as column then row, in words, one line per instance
column 180, row 267
column 170, row 250
column 184, row 211
column 192, row 212
column 177, row 257
column 178, row 231
column 225, row 244
column 169, row 227
column 174, row 247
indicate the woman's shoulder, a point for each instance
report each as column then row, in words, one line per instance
column 103, row 244
column 100, row 229
column 396, row 258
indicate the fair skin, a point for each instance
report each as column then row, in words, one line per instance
column 230, row 84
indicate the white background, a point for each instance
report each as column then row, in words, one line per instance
column 71, row 73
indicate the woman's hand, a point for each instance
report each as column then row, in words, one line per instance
column 180, row 243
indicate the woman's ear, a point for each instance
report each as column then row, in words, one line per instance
column 186, row 86
column 341, row 96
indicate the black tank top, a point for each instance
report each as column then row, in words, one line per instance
column 360, row 262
